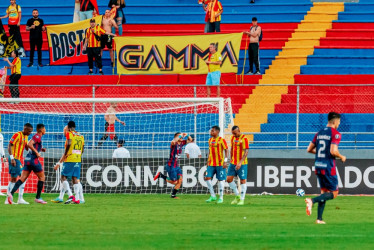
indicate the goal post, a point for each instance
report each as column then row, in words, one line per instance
column 145, row 125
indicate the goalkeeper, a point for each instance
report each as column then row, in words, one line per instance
column 172, row 166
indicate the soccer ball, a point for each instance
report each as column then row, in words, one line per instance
column 300, row 192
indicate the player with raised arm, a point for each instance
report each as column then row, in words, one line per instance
column 32, row 163
column 238, row 164
column 72, row 162
column 216, row 164
column 16, row 146
column 175, row 175
column 325, row 147
column 110, row 119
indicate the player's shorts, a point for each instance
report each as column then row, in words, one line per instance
column 71, row 169
column 111, row 129
column 174, row 174
column 32, row 164
column 241, row 173
column 213, row 78
column 327, row 181
column 106, row 41
column 219, row 171
column 15, row 171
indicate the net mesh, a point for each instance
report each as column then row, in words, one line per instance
column 147, row 127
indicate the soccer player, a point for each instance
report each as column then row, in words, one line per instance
column 16, row 146
column 216, row 164
column 238, row 165
column 60, row 199
column 111, row 119
column 72, row 159
column 325, row 147
column 32, row 163
column 172, row 166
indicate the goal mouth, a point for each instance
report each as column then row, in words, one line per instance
column 146, row 127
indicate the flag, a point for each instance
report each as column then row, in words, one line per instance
column 7, row 44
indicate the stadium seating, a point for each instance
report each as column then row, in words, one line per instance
column 338, row 58
column 304, row 43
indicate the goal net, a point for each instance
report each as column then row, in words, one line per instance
column 146, row 126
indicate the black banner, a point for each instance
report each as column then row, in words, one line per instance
column 278, row 176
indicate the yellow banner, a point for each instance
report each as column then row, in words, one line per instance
column 65, row 42
column 175, row 54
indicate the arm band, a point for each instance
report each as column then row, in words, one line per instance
column 11, row 157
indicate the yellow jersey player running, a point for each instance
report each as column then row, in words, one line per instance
column 72, row 162
column 216, row 164
column 238, row 164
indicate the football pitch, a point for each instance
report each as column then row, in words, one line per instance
column 158, row 222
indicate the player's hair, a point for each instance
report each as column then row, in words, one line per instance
column 234, row 127
column 92, row 21
column 192, row 138
column 28, row 125
column 39, row 126
column 177, row 134
column 332, row 116
column 71, row 124
column 16, row 52
column 35, row 10
column 121, row 142
column 216, row 128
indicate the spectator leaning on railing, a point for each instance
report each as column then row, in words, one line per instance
column 214, row 69
column 214, row 9
column 36, row 27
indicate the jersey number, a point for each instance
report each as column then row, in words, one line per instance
column 78, row 144
column 321, row 150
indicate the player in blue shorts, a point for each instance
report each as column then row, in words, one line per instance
column 325, row 147
column 238, row 164
column 172, row 166
column 216, row 164
column 32, row 163
column 16, row 146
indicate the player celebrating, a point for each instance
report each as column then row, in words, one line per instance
column 172, row 166
column 217, row 164
column 32, row 163
column 110, row 118
column 238, row 165
column 16, row 146
column 325, row 147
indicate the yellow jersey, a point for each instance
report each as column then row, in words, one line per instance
column 17, row 66
column 13, row 13
column 216, row 146
column 76, row 147
column 216, row 57
column 238, row 147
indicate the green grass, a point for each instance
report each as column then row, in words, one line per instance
column 156, row 221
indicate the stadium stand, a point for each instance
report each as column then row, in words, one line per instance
column 304, row 43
